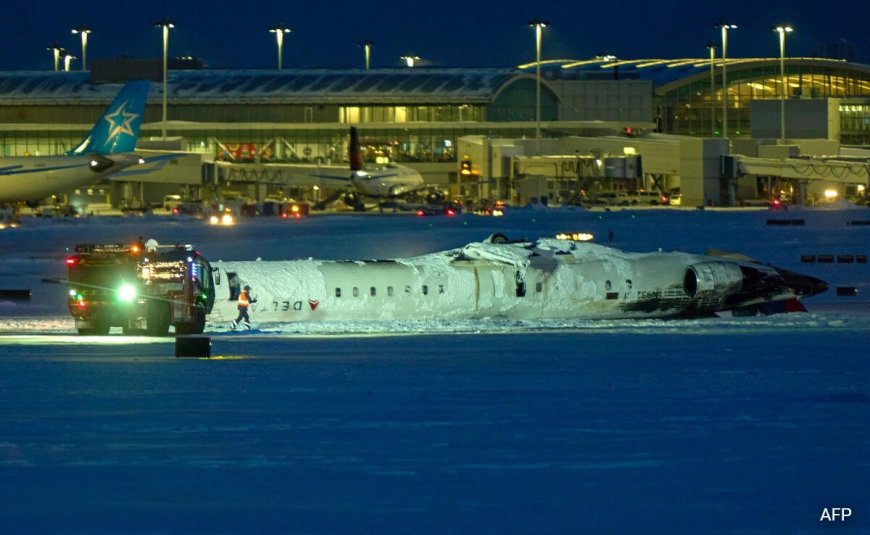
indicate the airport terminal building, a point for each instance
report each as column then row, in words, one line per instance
column 238, row 125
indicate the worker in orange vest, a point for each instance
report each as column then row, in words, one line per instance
column 245, row 300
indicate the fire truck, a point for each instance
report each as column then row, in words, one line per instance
column 142, row 288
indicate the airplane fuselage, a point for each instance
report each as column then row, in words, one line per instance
column 36, row 177
column 498, row 281
column 387, row 182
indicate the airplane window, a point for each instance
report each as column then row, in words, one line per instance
column 628, row 283
column 425, row 290
column 539, row 286
column 373, row 291
column 390, row 291
column 235, row 285
column 338, row 292
column 355, row 291
column 607, row 285
column 407, row 289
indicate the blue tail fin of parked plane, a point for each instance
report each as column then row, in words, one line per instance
column 117, row 129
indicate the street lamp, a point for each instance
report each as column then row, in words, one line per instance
column 409, row 59
column 711, row 46
column 538, row 25
column 782, row 29
column 166, row 25
column 67, row 60
column 57, row 50
column 83, row 31
column 279, row 32
column 367, row 46
column 725, row 27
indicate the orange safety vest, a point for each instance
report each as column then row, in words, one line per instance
column 244, row 301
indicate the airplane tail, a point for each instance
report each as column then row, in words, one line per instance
column 117, row 129
column 354, row 152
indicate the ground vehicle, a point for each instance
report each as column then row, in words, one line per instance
column 143, row 288
column 448, row 209
column 650, row 197
column 171, row 201
column 612, row 198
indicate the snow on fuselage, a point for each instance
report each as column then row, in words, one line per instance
column 550, row 279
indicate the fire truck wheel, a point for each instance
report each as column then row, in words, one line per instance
column 157, row 319
column 197, row 326
column 198, row 320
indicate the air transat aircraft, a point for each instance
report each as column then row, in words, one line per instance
column 388, row 182
column 524, row 280
column 107, row 149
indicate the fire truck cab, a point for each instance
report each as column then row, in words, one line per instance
column 141, row 289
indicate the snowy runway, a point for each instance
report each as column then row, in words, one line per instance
column 715, row 425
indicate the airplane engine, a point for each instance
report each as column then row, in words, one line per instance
column 99, row 163
column 352, row 199
column 435, row 197
column 712, row 279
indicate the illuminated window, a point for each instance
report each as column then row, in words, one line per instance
column 350, row 114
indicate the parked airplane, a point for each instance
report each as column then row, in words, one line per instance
column 388, row 182
column 106, row 149
column 543, row 279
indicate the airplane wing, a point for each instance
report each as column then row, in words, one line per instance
column 344, row 178
column 143, row 168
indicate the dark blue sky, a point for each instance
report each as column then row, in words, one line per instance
column 466, row 33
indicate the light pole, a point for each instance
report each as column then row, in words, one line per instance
column 711, row 46
column 539, row 26
column 279, row 32
column 409, row 59
column 367, row 47
column 725, row 27
column 166, row 25
column 83, row 31
column 782, row 29
column 67, row 60
column 57, row 50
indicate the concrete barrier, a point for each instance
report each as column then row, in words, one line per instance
column 829, row 259
column 847, row 291
column 15, row 295
column 193, row 346
column 785, row 222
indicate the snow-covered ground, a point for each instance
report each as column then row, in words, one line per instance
column 716, row 425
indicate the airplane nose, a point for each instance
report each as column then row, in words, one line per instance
column 802, row 285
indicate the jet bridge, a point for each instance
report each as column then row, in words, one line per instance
column 828, row 170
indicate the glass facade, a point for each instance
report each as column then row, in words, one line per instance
column 693, row 109
column 855, row 123
column 417, row 126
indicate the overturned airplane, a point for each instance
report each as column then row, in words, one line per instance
column 525, row 280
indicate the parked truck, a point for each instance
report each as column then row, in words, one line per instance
column 142, row 288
